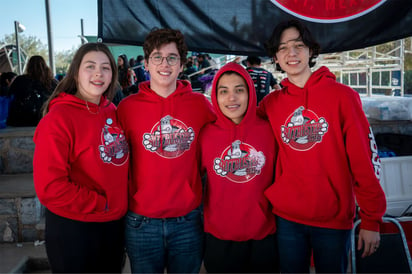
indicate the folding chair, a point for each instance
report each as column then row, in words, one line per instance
column 392, row 256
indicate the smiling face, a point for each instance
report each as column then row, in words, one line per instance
column 95, row 75
column 163, row 76
column 232, row 96
column 293, row 55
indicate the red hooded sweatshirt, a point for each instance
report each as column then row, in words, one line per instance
column 163, row 132
column 80, row 163
column 327, row 154
column 239, row 161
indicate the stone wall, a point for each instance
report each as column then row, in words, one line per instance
column 16, row 150
column 21, row 214
column 21, row 220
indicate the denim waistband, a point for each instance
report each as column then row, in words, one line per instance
column 171, row 219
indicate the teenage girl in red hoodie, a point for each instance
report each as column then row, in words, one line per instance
column 238, row 153
column 327, row 155
column 80, row 167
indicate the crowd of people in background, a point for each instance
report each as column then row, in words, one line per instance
column 21, row 102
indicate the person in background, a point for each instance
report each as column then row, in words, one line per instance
column 6, row 78
column 80, row 167
column 327, row 157
column 162, row 121
column 239, row 225
column 126, row 75
column 29, row 92
column 204, row 64
column 139, row 70
column 263, row 79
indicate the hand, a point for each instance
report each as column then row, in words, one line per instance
column 369, row 240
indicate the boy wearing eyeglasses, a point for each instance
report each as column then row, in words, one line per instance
column 327, row 156
column 161, row 122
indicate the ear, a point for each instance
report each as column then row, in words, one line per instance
column 146, row 64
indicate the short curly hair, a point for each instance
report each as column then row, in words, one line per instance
column 272, row 45
column 159, row 37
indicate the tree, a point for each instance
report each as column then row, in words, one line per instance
column 30, row 44
column 63, row 60
column 33, row 46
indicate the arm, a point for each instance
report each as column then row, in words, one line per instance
column 365, row 166
column 53, row 181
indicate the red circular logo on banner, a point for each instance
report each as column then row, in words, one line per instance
column 328, row 11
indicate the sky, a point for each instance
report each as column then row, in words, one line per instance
column 65, row 17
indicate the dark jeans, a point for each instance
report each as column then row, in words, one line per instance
column 297, row 241
column 154, row 244
column 83, row 247
column 253, row 256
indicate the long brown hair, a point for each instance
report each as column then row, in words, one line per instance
column 37, row 69
column 69, row 83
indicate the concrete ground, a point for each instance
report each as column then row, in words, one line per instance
column 15, row 258
column 29, row 258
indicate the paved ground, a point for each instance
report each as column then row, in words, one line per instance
column 14, row 257
column 28, row 258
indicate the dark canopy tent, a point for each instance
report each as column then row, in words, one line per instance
column 242, row 26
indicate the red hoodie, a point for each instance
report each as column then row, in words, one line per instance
column 239, row 161
column 80, row 163
column 327, row 153
column 162, row 133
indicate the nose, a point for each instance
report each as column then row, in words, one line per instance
column 232, row 96
column 292, row 50
column 98, row 71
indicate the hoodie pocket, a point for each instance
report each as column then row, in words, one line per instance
column 309, row 197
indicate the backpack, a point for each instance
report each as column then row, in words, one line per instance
column 25, row 108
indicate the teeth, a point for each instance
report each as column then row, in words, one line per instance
column 164, row 73
column 234, row 106
column 293, row 62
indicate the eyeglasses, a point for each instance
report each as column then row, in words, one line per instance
column 171, row 59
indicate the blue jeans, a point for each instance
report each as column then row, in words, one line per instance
column 296, row 243
column 154, row 244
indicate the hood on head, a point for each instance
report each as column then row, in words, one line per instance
column 251, row 110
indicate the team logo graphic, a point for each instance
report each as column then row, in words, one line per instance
column 239, row 162
column 114, row 148
column 328, row 11
column 303, row 129
column 169, row 138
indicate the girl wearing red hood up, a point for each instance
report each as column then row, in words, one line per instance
column 238, row 155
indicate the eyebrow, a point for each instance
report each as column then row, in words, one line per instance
column 292, row 40
column 93, row 62
column 237, row 86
